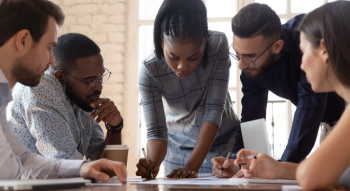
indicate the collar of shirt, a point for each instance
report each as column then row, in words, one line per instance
column 5, row 95
column 3, row 78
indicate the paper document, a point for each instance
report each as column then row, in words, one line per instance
column 262, row 181
column 291, row 188
column 190, row 181
column 203, row 175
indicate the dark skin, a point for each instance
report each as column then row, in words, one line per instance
column 157, row 150
column 183, row 56
column 110, row 114
column 86, row 70
column 144, row 168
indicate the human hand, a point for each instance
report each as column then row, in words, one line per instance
column 229, row 167
column 262, row 166
column 144, row 169
column 103, row 169
column 106, row 111
column 183, row 173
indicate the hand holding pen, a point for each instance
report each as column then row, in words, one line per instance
column 146, row 168
column 254, row 164
column 144, row 154
column 229, row 155
column 224, row 167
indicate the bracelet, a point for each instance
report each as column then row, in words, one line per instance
column 115, row 129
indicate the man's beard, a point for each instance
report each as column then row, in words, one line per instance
column 79, row 102
column 23, row 74
column 262, row 69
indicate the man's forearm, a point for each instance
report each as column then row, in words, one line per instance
column 113, row 138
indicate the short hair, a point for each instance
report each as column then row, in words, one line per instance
column 33, row 15
column 256, row 19
column 331, row 23
column 70, row 47
column 180, row 18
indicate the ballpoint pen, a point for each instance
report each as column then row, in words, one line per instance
column 227, row 157
column 144, row 154
column 244, row 156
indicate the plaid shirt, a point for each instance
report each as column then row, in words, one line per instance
column 175, row 108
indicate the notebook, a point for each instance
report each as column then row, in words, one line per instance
column 43, row 184
column 255, row 137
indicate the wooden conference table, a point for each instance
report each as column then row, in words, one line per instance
column 132, row 186
column 135, row 187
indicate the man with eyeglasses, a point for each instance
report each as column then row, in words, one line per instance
column 269, row 56
column 59, row 117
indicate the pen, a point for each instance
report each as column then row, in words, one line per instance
column 144, row 154
column 245, row 156
column 96, row 109
column 227, row 157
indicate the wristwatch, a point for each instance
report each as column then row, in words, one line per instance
column 115, row 129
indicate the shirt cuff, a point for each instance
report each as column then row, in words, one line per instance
column 70, row 168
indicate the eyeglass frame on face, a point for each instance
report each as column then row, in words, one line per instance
column 246, row 61
column 94, row 82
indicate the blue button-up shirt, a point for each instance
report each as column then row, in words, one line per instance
column 285, row 78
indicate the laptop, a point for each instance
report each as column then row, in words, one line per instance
column 43, row 184
column 255, row 136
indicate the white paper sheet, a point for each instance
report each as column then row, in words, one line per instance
column 291, row 188
column 262, row 181
column 191, row 181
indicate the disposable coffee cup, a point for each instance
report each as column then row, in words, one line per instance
column 117, row 153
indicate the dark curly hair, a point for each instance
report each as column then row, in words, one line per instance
column 186, row 19
column 70, row 47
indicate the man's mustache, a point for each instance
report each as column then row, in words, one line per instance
column 95, row 94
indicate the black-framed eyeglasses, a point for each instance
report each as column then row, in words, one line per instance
column 244, row 60
column 93, row 81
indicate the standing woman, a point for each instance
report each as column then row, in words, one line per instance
column 184, row 89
